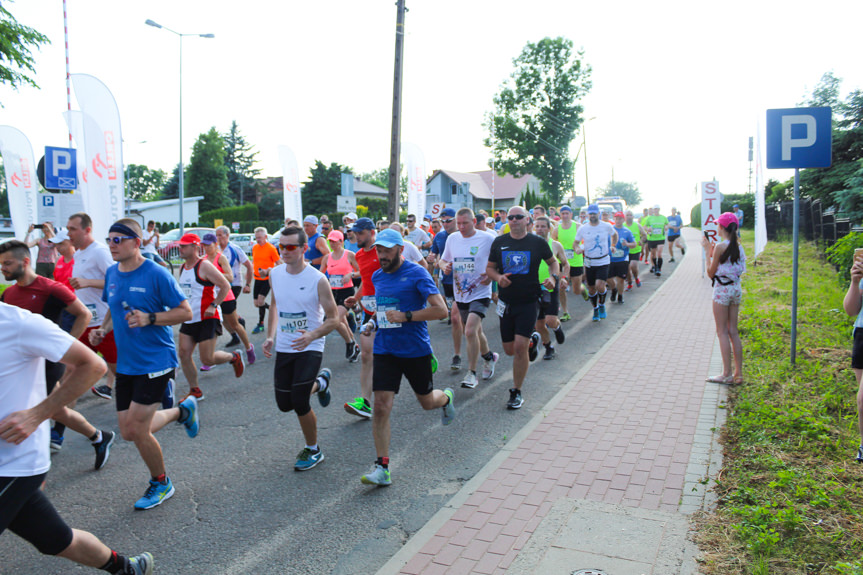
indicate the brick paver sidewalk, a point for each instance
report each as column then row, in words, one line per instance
column 622, row 432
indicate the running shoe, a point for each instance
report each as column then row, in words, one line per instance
column 637, row 282
column 658, row 273
column 251, row 356
column 258, row 328
column 355, row 353
column 652, row 269
column 379, row 476
column 584, row 293
column 469, row 380
column 434, row 363
column 559, row 335
column 614, row 294
column 142, row 564
column 168, row 396
column 205, row 367
column 324, row 396
column 549, row 352
column 619, row 298
column 596, row 314
column 103, row 449
column 565, row 317
column 533, row 347
column 156, row 494
column 515, row 400
column 359, row 407
column 488, row 366
column 860, row 454
column 349, row 349
column 352, row 321
column 237, row 363
column 192, row 422
column 671, row 260
column 683, row 251
column 308, row 459
column 56, row 441
column 602, row 314
column 456, row 363
column 235, row 340
column 102, row 391
column 448, row 410
column 196, row 393
column 628, row 287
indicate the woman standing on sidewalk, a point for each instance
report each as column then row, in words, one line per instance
column 725, row 266
column 853, row 304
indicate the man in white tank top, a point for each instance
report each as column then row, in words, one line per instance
column 300, row 301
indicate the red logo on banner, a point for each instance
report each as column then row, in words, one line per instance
column 25, row 172
column 84, row 176
column 97, row 161
column 110, row 155
column 16, row 179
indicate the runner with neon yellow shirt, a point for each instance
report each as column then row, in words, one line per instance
column 655, row 226
column 565, row 234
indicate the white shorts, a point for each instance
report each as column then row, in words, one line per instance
column 727, row 295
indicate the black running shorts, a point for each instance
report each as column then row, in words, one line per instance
column 389, row 369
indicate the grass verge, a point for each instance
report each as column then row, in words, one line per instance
column 790, row 496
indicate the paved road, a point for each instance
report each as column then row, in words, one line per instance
column 240, row 507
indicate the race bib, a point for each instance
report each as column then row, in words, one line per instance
column 462, row 266
column 501, row 307
column 617, row 253
column 369, row 303
column 292, row 322
column 383, row 322
column 187, row 290
column 569, row 254
column 339, row 281
column 93, row 311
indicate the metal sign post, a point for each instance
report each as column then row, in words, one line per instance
column 798, row 138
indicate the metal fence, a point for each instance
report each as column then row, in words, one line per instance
column 817, row 222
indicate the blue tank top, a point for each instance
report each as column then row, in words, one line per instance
column 313, row 252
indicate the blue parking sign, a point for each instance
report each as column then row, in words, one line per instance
column 61, row 168
column 799, row 138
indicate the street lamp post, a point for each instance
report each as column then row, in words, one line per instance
column 155, row 25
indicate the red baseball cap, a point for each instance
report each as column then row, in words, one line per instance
column 619, row 215
column 190, row 239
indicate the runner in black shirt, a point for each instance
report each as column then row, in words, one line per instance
column 514, row 264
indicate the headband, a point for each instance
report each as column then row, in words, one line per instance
column 123, row 229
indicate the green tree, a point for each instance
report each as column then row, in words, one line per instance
column 208, row 174
column 537, row 114
column 627, row 190
column 381, row 179
column 272, row 203
column 16, row 41
column 240, row 161
column 319, row 193
column 144, row 184
column 171, row 189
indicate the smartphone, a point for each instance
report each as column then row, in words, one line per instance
column 858, row 254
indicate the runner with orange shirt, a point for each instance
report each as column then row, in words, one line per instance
column 264, row 258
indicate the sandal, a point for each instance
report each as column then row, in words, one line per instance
column 719, row 379
column 737, row 381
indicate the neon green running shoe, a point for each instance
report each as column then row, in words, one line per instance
column 434, row 364
column 379, row 476
column 359, row 407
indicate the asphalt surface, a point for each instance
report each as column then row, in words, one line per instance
column 240, row 507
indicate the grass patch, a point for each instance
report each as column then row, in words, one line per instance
column 790, row 492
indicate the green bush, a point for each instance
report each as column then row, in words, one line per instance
column 745, row 201
column 841, row 254
column 231, row 214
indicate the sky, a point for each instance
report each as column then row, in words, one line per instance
column 678, row 87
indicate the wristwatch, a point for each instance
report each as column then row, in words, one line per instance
column 409, row 316
column 153, row 318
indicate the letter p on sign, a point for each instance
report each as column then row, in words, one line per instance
column 799, row 138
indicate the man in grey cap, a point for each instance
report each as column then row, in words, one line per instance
column 317, row 243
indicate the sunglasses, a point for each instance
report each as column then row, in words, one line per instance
column 119, row 239
column 447, row 221
column 516, row 217
column 289, row 247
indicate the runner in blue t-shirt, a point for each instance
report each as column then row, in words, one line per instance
column 675, row 223
column 406, row 299
column 620, row 257
column 143, row 302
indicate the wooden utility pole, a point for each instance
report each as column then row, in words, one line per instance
column 395, row 144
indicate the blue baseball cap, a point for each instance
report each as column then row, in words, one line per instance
column 363, row 224
column 592, row 209
column 735, row 206
column 565, row 209
column 448, row 212
column 389, row 238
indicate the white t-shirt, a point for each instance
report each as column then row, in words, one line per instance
column 91, row 263
column 469, row 257
column 149, row 248
column 418, row 237
column 412, row 253
column 298, row 305
column 597, row 243
column 26, row 340
column 236, row 257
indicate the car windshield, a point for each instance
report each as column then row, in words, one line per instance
column 171, row 235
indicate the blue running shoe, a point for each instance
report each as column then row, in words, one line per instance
column 324, row 396
column 449, row 409
column 602, row 314
column 308, row 459
column 142, row 564
column 168, row 397
column 156, row 494
column 192, row 421
column 596, row 314
column 56, row 441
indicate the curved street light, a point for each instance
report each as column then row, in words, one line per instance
column 180, row 35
